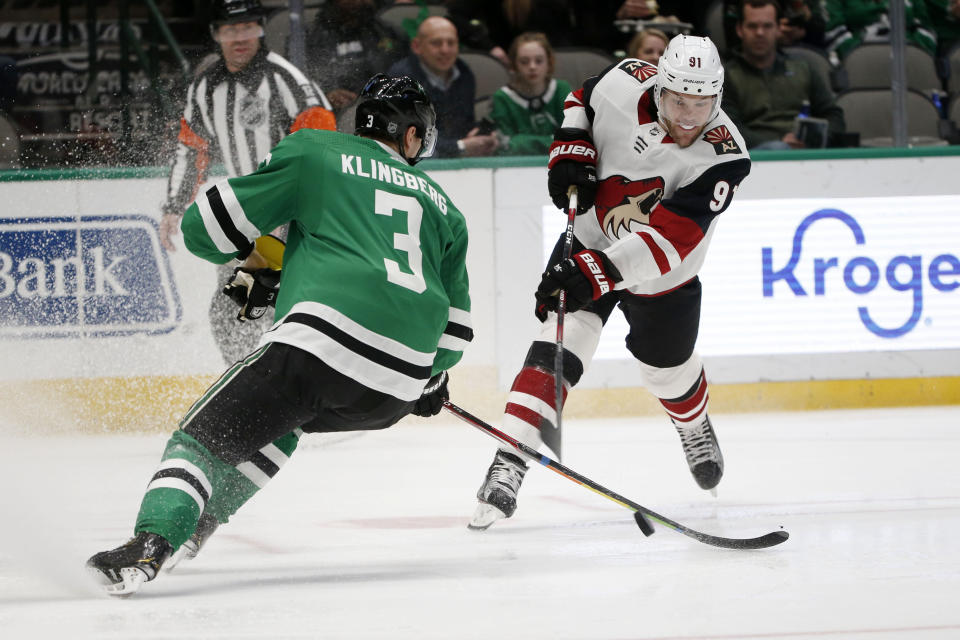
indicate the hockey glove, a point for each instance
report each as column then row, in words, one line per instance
column 254, row 291
column 434, row 395
column 585, row 277
column 573, row 162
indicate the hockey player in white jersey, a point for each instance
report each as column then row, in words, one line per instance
column 655, row 162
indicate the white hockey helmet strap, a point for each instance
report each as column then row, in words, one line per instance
column 691, row 65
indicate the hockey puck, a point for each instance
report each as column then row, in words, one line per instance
column 643, row 523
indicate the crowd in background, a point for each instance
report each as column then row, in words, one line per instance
column 768, row 89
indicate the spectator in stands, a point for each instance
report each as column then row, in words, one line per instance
column 648, row 45
column 945, row 18
column 491, row 25
column 802, row 22
column 765, row 90
column 851, row 23
column 435, row 64
column 347, row 45
column 528, row 111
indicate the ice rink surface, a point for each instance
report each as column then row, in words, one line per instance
column 364, row 536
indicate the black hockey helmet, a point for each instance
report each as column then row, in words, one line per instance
column 388, row 106
column 230, row 11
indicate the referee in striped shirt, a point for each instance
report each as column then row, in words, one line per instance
column 239, row 106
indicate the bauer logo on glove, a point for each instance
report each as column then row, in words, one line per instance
column 254, row 291
column 585, row 277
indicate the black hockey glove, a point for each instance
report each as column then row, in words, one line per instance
column 573, row 162
column 254, row 291
column 433, row 397
column 585, row 277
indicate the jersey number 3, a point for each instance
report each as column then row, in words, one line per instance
column 408, row 242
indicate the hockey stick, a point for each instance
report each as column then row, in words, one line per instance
column 552, row 438
column 641, row 513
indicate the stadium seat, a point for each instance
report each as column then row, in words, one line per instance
column 868, row 67
column 869, row 113
column 277, row 29
column 394, row 15
column 576, row 64
column 489, row 72
column 818, row 60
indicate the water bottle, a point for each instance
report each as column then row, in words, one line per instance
column 804, row 110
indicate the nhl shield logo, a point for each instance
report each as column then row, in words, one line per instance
column 638, row 69
column 722, row 140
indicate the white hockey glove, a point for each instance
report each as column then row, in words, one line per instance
column 254, row 291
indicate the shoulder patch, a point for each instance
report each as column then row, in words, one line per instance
column 722, row 140
column 639, row 69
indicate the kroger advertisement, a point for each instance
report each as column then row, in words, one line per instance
column 823, row 275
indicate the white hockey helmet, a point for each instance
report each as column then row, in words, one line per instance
column 691, row 65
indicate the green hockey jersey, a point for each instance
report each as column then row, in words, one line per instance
column 529, row 123
column 374, row 279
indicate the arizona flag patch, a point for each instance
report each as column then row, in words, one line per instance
column 722, row 140
column 638, row 69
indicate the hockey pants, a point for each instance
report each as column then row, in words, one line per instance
column 662, row 336
column 236, row 340
column 228, row 444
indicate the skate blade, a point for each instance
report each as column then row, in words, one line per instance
column 484, row 516
column 131, row 578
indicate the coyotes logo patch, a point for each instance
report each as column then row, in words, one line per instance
column 722, row 140
column 638, row 69
column 621, row 202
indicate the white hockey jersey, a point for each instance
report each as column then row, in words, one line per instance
column 656, row 203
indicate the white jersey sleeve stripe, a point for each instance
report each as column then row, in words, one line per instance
column 460, row 317
column 236, row 212
column 212, row 226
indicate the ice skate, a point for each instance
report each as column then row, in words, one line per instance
column 703, row 453
column 123, row 570
column 498, row 493
column 189, row 549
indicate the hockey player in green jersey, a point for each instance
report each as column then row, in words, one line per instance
column 372, row 305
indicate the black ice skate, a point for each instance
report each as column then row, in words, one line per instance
column 189, row 549
column 121, row 571
column 703, row 453
column 498, row 493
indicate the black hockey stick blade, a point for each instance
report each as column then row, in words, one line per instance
column 641, row 513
